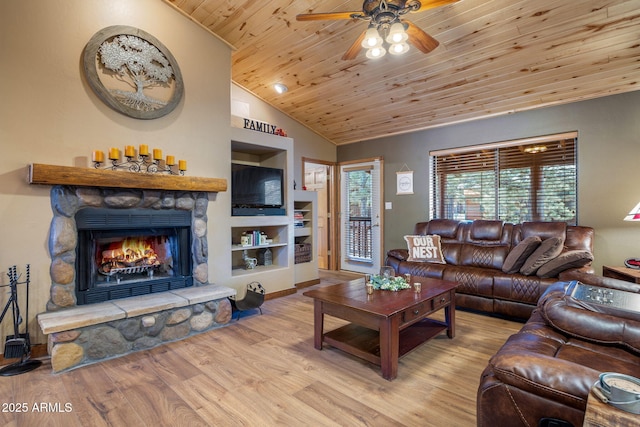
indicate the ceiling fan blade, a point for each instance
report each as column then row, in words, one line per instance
column 325, row 16
column 430, row 4
column 355, row 48
column 421, row 40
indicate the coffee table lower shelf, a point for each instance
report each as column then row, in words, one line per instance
column 365, row 343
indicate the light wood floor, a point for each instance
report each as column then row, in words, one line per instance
column 264, row 371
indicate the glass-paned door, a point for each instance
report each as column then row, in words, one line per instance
column 360, row 216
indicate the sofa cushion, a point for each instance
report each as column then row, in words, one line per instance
column 544, row 230
column 547, row 250
column 485, row 256
column 424, row 248
column 452, row 252
column 446, row 228
column 518, row 255
column 565, row 261
column 486, row 230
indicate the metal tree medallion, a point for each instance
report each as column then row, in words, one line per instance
column 132, row 72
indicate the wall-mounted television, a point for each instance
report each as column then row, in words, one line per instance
column 256, row 190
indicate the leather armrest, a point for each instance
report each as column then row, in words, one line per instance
column 592, row 279
column 401, row 254
column 546, row 376
column 589, row 322
column 586, row 269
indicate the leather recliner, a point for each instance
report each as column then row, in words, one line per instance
column 546, row 370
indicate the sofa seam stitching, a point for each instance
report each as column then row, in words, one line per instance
column 513, row 401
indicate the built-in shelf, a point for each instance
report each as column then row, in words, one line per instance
column 261, row 149
column 305, row 237
column 87, row 177
column 260, row 269
column 302, row 231
column 270, row 245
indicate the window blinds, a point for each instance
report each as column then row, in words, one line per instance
column 516, row 181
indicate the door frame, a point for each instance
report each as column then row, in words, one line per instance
column 336, row 218
column 334, row 236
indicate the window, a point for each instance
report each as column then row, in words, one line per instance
column 526, row 180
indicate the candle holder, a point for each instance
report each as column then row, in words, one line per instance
column 142, row 163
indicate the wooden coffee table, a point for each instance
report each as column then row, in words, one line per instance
column 385, row 325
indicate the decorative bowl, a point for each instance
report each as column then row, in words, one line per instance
column 621, row 391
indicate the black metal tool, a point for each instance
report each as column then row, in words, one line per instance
column 18, row 345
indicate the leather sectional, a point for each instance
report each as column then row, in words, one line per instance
column 543, row 374
column 475, row 253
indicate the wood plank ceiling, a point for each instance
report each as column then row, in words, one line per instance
column 495, row 57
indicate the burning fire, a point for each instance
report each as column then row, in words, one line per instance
column 130, row 252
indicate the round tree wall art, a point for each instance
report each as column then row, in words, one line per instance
column 132, row 72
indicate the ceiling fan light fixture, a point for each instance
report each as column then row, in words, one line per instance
column 372, row 38
column 280, row 88
column 397, row 34
column 399, row 48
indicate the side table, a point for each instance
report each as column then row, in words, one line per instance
column 622, row 273
column 600, row 414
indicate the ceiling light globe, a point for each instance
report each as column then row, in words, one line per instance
column 396, row 38
column 376, row 52
column 371, row 38
column 397, row 33
column 399, row 48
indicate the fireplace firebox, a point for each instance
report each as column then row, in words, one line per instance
column 124, row 253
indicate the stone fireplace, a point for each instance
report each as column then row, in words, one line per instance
column 90, row 222
column 129, row 266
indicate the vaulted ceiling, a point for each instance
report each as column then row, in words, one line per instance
column 495, row 57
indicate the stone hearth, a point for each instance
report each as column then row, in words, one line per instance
column 90, row 333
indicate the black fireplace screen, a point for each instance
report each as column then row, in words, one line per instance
column 123, row 253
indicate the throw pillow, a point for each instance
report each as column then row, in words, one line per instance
column 548, row 250
column 425, row 248
column 518, row 255
column 570, row 259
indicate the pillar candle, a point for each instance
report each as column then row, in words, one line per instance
column 114, row 154
column 98, row 156
column 182, row 165
column 157, row 154
column 171, row 160
column 129, row 151
column 143, row 150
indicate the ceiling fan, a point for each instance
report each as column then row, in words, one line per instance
column 384, row 17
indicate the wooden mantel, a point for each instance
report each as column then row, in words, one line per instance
column 87, row 177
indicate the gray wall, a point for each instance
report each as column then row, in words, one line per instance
column 608, row 163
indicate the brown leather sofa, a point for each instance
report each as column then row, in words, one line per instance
column 475, row 252
column 543, row 374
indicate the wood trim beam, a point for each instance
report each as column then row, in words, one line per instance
column 86, row 177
